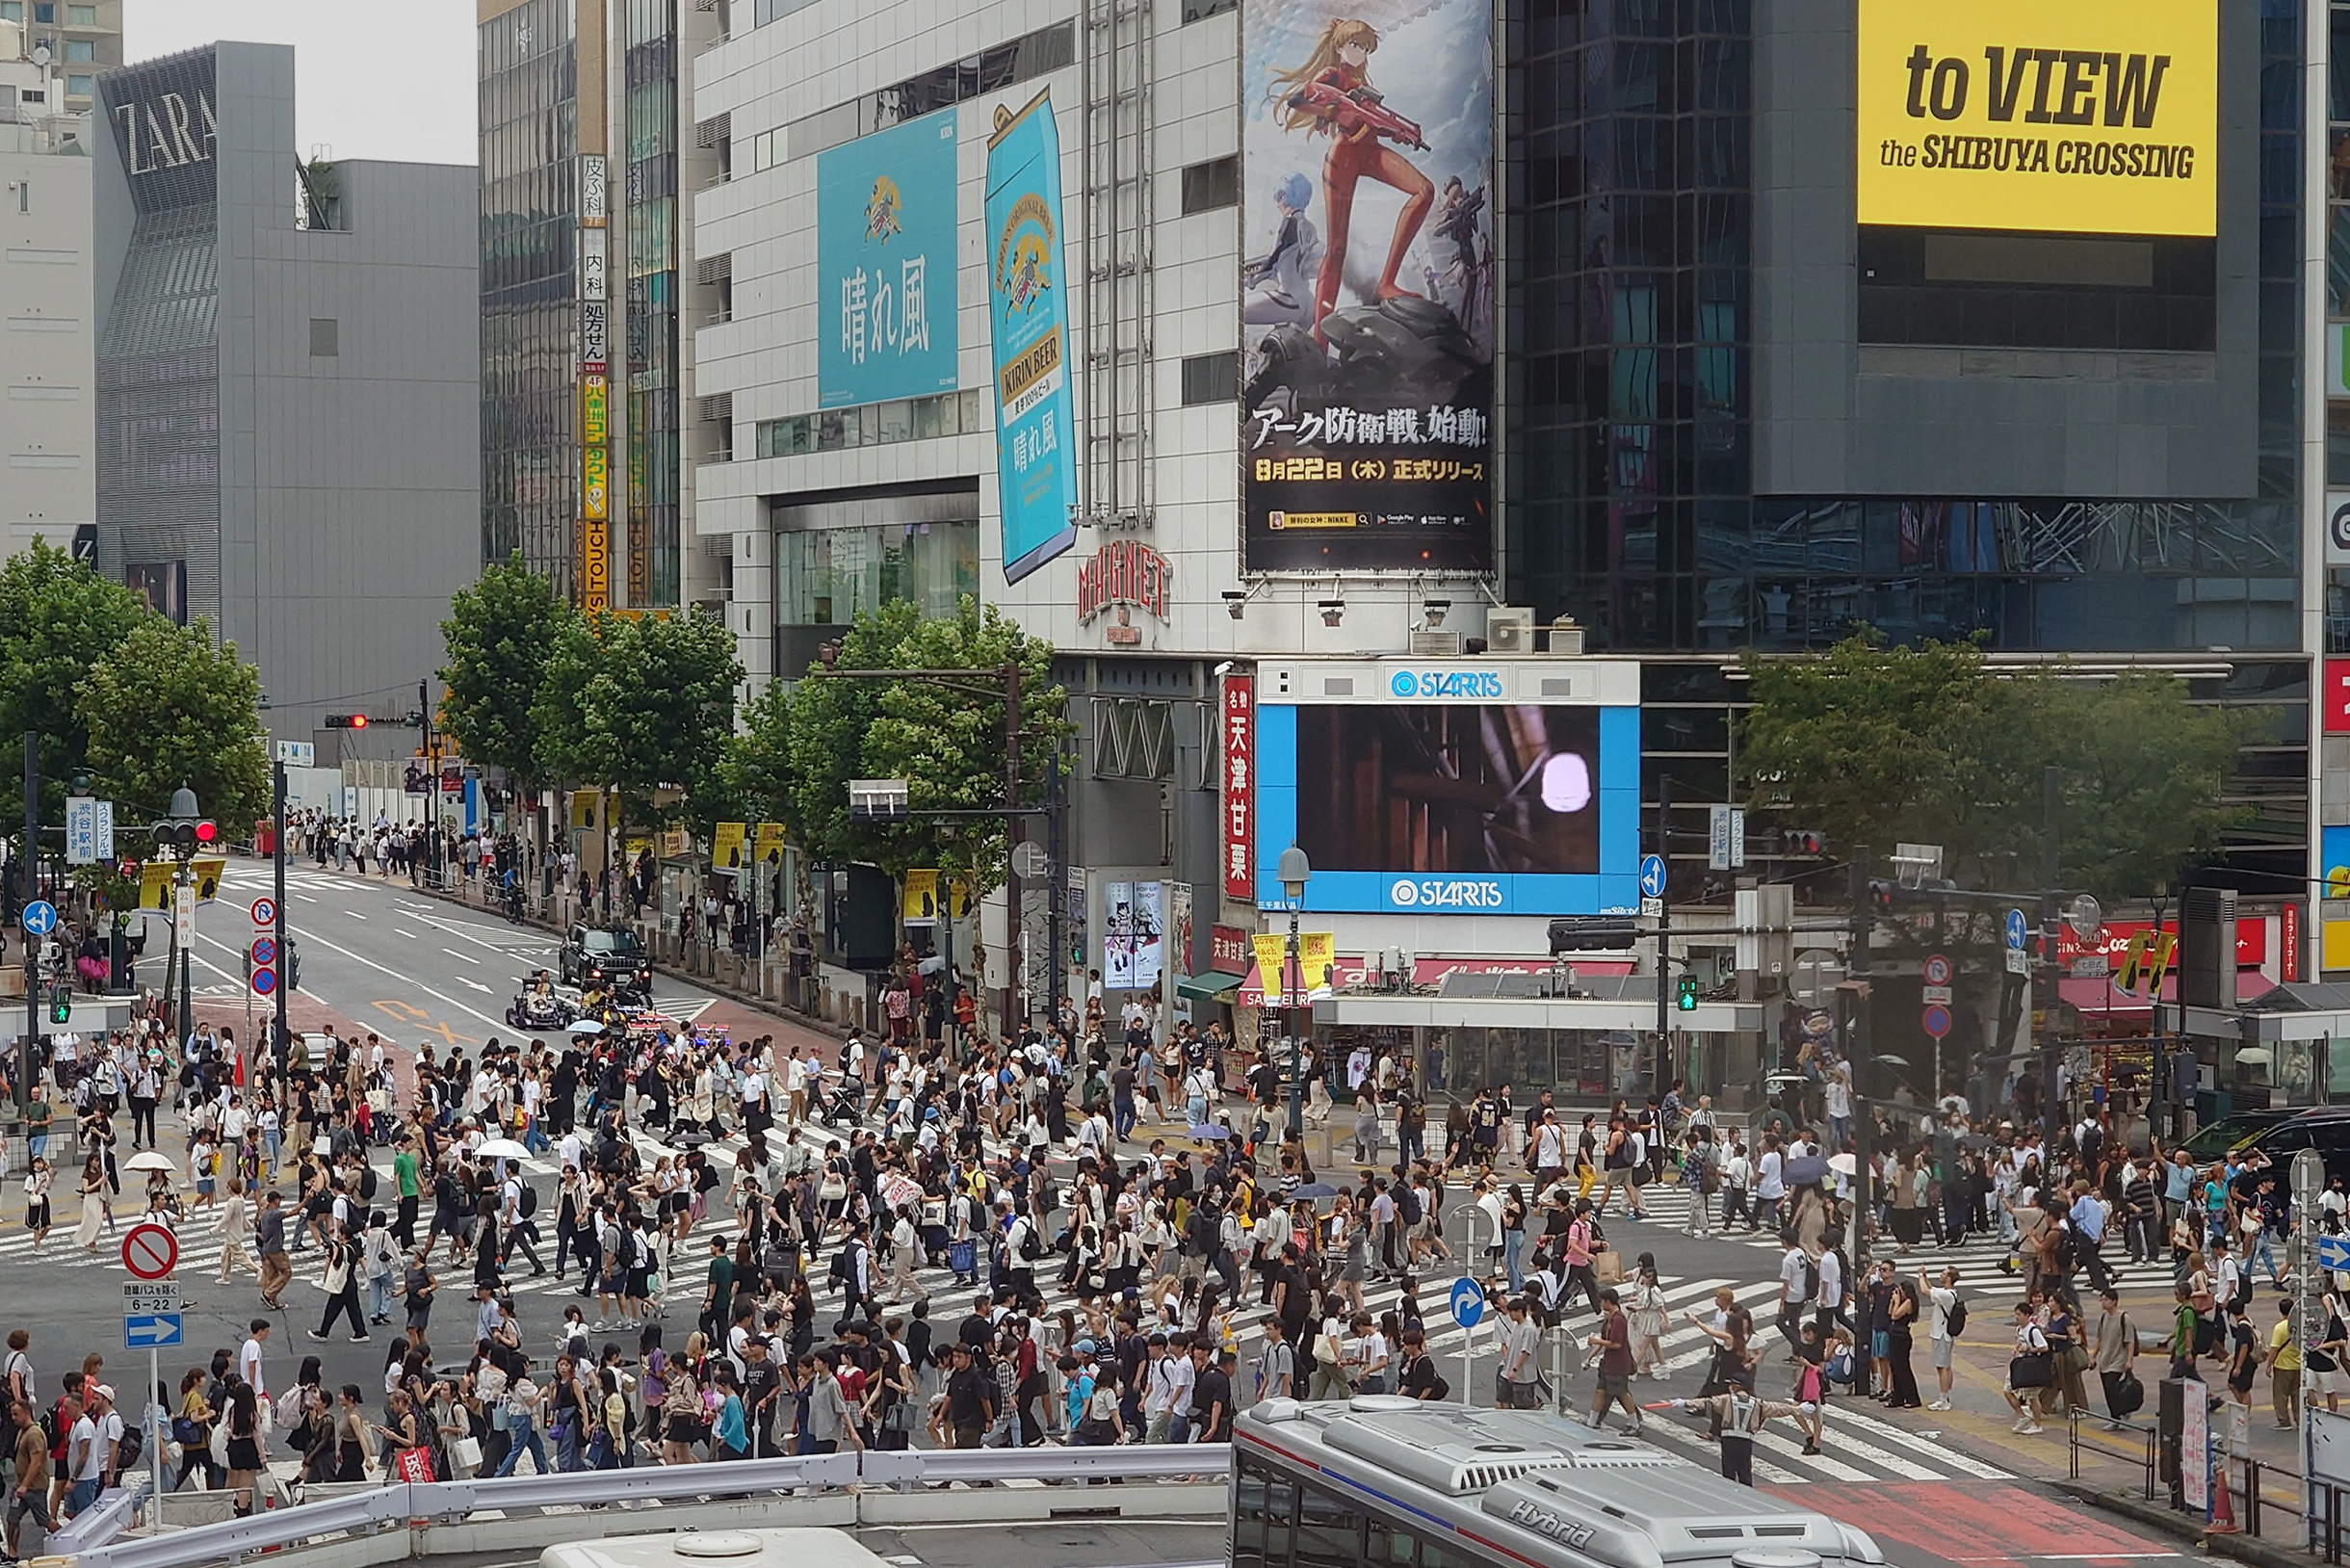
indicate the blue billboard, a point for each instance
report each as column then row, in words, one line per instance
column 1444, row 799
column 885, row 265
column 1028, row 315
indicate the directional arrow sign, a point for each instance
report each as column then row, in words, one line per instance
column 2017, row 929
column 40, row 917
column 1467, row 1301
column 264, row 911
column 2334, row 1253
column 152, row 1331
column 1652, row 875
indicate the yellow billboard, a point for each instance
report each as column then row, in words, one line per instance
column 2082, row 116
column 595, row 429
column 727, row 846
column 595, row 563
column 1317, row 951
column 766, row 843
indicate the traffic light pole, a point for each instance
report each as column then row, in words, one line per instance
column 1858, row 1054
column 285, row 958
column 31, row 858
column 1665, row 935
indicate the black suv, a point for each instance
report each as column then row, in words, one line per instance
column 2326, row 1128
column 612, row 960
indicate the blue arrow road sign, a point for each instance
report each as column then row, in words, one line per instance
column 150, row 1330
column 2334, row 1253
column 1652, row 877
column 40, row 917
column 2017, row 929
column 1468, row 1300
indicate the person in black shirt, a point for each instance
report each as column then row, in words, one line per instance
column 762, row 1390
column 979, row 1330
column 1211, row 1398
column 1421, row 1378
column 918, row 1337
column 970, row 1406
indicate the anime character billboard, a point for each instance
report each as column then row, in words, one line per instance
column 1367, row 285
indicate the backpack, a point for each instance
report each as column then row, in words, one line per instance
column 1810, row 1277
column 1956, row 1318
column 1407, row 1204
column 527, row 1203
column 1031, row 1246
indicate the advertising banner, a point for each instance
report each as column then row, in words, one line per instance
column 727, row 846
column 1240, row 786
column 1317, row 956
column 595, row 563
column 1367, row 285
column 165, row 129
column 2086, row 116
column 1028, row 316
column 1149, row 933
column 885, row 264
column 1118, row 936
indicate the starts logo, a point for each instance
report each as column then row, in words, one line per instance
column 1439, row 892
column 1474, row 685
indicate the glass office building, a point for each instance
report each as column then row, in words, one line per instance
column 650, row 234
column 530, row 312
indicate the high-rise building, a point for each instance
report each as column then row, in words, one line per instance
column 47, row 347
column 286, row 357
column 81, row 37
column 586, row 455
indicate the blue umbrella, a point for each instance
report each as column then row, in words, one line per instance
column 1314, row 1189
column 1211, row 1130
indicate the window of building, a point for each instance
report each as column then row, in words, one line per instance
column 1196, row 10
column 878, row 423
column 325, row 337
column 824, row 577
column 81, row 15
column 1216, row 183
column 1211, row 378
column 12, row 11
column 79, row 87
column 81, row 49
column 44, row 10
column 991, row 70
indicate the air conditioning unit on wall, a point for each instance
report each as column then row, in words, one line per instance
column 1436, row 645
column 1509, row 629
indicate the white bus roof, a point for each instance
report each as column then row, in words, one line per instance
column 717, row 1549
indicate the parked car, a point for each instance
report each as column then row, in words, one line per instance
column 2207, row 1144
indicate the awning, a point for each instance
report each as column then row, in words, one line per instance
column 1349, row 972
column 1207, row 987
column 2099, row 995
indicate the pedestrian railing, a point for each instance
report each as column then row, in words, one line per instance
column 99, row 1537
column 2113, row 1447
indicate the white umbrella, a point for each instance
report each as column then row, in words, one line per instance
column 150, row 1159
column 501, row 1148
column 587, row 1025
column 1843, row 1165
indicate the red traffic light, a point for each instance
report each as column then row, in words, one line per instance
column 205, row 832
column 347, row 720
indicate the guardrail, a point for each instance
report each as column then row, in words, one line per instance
column 97, row 1540
column 102, row 1521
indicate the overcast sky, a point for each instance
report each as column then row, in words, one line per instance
column 373, row 81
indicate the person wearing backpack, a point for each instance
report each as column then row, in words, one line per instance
column 1946, row 1321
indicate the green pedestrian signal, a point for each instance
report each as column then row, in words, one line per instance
column 61, row 1004
column 1687, row 999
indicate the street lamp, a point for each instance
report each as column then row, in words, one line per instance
column 1294, row 870
column 182, row 834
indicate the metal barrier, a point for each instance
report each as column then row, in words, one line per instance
column 403, row 1504
column 2077, row 1443
column 102, row 1521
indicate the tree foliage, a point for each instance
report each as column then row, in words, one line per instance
column 496, row 641
column 58, row 618
column 166, row 706
column 802, row 744
column 637, row 703
column 1878, row 744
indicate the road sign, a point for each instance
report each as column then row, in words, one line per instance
column 105, row 830
column 263, row 981
column 183, row 917
column 298, row 753
column 150, row 1295
column 1937, row 1020
column 150, row 1331
column 150, row 1251
column 1468, row 1300
column 1941, row 994
column 2334, row 1253
column 81, row 830
column 40, row 917
column 1652, row 877
column 1652, row 908
column 2017, row 929
column 1937, row 970
column 263, row 951
column 1725, row 838
column 2018, row 962
column 265, row 913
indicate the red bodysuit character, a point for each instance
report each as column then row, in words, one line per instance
column 1331, row 95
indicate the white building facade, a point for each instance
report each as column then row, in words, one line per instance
column 47, row 332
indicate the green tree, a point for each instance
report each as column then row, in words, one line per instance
column 1876, row 744
column 802, row 747
column 496, row 641
column 167, row 706
column 58, row 618
column 659, row 712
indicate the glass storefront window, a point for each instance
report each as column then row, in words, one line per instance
column 825, row 576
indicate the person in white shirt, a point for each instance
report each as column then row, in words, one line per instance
column 248, row 1358
column 1941, row 1299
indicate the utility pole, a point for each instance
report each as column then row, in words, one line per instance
column 285, row 955
column 31, row 862
column 1056, row 883
column 424, row 731
column 1858, row 1052
column 2043, row 982
column 1015, row 922
column 1664, row 938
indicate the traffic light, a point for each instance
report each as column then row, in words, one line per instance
column 1687, row 1000
column 61, row 1004
column 181, row 838
column 1579, row 935
column 347, row 720
column 1806, row 841
column 289, row 966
